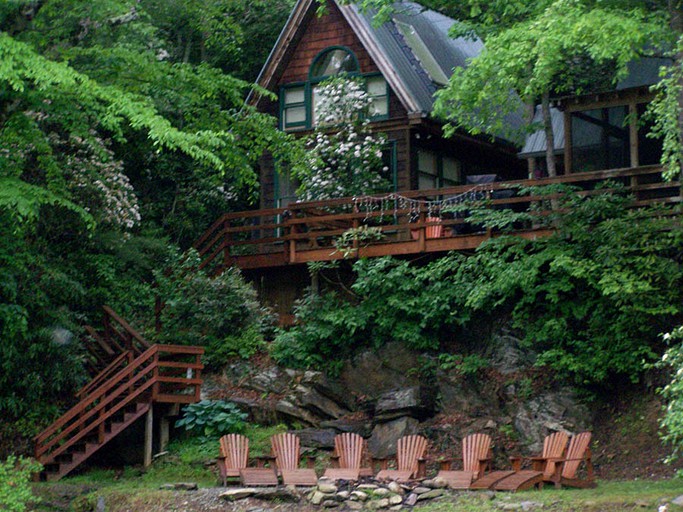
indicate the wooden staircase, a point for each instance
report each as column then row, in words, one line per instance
column 123, row 391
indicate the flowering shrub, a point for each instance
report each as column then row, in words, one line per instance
column 344, row 158
column 98, row 181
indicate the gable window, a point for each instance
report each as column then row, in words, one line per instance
column 299, row 101
column 334, row 61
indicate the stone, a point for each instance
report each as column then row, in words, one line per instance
column 316, row 497
column 381, row 492
column 327, row 487
column 396, row 507
column 180, row 486
column 367, row 487
column 395, row 487
column 100, row 506
column 678, row 501
column 507, row 354
column 317, row 438
column 329, row 504
column 271, row 380
column 531, row 505
column 382, row 443
column 237, row 494
column 558, row 409
column 353, row 505
column 278, row 494
column 377, row 504
column 361, row 427
column 343, row 495
column 289, row 409
column 359, row 495
column 318, row 404
column 510, row 506
column 329, row 388
column 431, row 494
column 417, row 402
column 411, row 499
column 421, row 490
column 395, row 500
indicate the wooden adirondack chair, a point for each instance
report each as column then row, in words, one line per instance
column 347, row 459
column 409, row 460
column 233, row 460
column 476, row 457
column 287, row 450
column 543, row 468
column 567, row 468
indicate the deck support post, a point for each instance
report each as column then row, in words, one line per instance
column 164, row 433
column 149, row 436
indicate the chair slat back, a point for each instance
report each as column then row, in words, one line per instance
column 286, row 449
column 408, row 450
column 349, row 447
column 575, row 453
column 474, row 448
column 555, row 444
column 235, row 449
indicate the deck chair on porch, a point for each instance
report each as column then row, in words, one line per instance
column 347, row 459
column 410, row 462
column 233, row 460
column 287, row 451
column 476, row 458
column 567, row 468
column 542, row 467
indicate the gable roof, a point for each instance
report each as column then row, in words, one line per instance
column 405, row 62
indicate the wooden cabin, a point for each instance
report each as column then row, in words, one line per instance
column 403, row 63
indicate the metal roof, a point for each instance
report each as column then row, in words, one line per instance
column 535, row 143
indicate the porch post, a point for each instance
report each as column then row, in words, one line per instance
column 149, row 436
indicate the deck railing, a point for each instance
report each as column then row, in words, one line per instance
column 410, row 222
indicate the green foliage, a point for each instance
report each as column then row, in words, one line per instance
column 355, row 237
column 671, row 422
column 212, row 418
column 587, row 299
column 220, row 312
column 15, row 478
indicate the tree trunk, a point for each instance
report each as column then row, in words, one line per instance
column 549, row 136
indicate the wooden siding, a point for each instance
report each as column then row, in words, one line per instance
column 323, row 32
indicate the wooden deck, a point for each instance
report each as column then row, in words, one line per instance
column 411, row 222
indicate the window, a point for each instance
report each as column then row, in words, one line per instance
column 379, row 92
column 298, row 102
column 333, row 61
column 437, row 171
column 294, row 107
column 600, row 139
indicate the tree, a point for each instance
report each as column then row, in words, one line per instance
column 533, row 47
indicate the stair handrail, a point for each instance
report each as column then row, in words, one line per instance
column 123, row 383
column 132, row 334
column 88, row 400
column 105, row 374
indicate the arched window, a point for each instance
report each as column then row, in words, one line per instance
column 333, row 61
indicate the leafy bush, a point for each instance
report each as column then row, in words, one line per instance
column 212, row 418
column 221, row 313
column 15, row 477
column 587, row 300
column 672, row 421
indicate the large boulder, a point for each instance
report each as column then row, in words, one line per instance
column 382, row 443
column 362, row 427
column 318, row 404
column 370, row 373
column 317, row 437
column 547, row 413
column 417, row 402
